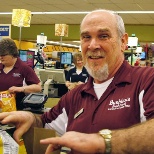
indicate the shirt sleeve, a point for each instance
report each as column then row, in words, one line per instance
column 30, row 76
column 147, row 96
column 68, row 76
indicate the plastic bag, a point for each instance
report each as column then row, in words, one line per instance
column 7, row 101
column 7, row 144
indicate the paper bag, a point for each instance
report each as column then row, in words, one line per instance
column 32, row 140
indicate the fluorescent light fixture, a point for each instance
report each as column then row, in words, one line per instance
column 84, row 12
column 62, row 44
column 53, row 42
column 76, row 41
column 135, row 12
column 6, row 13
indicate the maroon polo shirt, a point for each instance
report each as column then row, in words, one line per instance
column 128, row 100
column 16, row 76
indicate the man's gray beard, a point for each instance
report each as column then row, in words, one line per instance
column 101, row 74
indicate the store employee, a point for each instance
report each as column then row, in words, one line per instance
column 15, row 75
column 78, row 74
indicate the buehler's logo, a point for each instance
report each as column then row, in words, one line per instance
column 16, row 74
column 119, row 104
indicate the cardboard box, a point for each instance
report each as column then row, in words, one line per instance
column 32, row 140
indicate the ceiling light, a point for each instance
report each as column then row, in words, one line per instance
column 76, row 41
column 85, row 12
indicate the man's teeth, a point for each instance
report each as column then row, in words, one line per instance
column 95, row 57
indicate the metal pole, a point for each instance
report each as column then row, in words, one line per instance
column 20, row 38
column 61, row 40
column 131, row 56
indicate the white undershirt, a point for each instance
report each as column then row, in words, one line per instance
column 100, row 88
column 78, row 71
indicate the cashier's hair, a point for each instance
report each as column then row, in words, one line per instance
column 8, row 47
column 77, row 55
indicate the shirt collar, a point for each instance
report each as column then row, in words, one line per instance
column 16, row 65
column 123, row 75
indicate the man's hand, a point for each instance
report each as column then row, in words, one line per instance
column 22, row 120
column 15, row 89
column 79, row 143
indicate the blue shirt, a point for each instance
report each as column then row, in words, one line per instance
column 72, row 76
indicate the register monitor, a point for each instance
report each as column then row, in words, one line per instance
column 57, row 75
column 55, row 84
column 27, row 56
column 66, row 58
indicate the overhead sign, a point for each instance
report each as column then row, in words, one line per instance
column 5, row 30
column 132, row 41
column 61, row 30
column 21, row 18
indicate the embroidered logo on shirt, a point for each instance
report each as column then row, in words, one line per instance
column 16, row 74
column 84, row 74
column 74, row 73
column 119, row 104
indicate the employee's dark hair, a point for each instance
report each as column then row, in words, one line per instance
column 8, row 47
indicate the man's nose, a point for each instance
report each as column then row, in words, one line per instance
column 94, row 44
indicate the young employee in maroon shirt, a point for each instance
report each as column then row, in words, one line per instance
column 15, row 75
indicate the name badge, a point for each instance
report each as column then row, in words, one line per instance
column 78, row 113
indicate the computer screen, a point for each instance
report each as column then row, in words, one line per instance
column 58, row 65
column 143, row 55
column 23, row 55
column 35, row 97
column 66, row 58
column 30, row 58
column 57, row 75
column 27, row 56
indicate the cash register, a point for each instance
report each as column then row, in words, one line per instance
column 34, row 102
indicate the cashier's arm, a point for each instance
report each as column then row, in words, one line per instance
column 22, row 120
column 34, row 88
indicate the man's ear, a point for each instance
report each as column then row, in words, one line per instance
column 124, row 41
